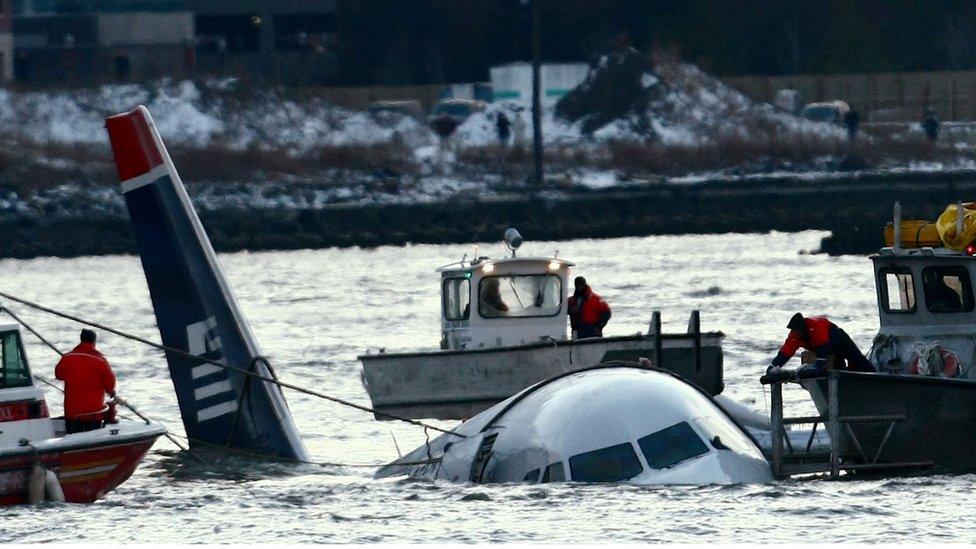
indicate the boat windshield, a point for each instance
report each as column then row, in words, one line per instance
column 457, row 297
column 13, row 364
column 947, row 289
column 520, row 296
column 898, row 289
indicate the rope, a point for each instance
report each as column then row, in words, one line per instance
column 924, row 351
column 173, row 436
column 255, row 375
column 251, row 453
column 117, row 398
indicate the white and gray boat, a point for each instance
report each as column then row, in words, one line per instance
column 918, row 411
column 487, row 355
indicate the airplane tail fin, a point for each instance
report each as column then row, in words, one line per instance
column 195, row 309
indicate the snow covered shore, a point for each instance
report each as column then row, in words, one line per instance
column 294, row 160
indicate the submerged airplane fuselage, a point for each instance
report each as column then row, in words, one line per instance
column 619, row 422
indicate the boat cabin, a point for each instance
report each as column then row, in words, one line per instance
column 490, row 303
column 23, row 408
column 926, row 305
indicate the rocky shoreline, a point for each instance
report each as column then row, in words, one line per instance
column 853, row 207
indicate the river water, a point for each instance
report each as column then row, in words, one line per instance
column 314, row 311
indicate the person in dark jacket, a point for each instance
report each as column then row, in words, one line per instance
column 826, row 339
column 930, row 124
column 588, row 312
column 504, row 128
column 852, row 120
column 87, row 378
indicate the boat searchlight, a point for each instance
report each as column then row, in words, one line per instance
column 513, row 240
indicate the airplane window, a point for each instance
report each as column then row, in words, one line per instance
column 671, row 446
column 554, row 473
column 737, row 442
column 947, row 289
column 532, row 476
column 610, row 464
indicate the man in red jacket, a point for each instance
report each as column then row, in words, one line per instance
column 824, row 338
column 87, row 379
column 588, row 312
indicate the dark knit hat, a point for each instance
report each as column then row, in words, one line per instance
column 88, row 336
column 797, row 323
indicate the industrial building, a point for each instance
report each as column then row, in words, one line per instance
column 6, row 41
column 81, row 41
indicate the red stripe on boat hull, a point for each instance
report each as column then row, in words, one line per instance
column 86, row 474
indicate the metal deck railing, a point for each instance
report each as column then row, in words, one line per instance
column 787, row 461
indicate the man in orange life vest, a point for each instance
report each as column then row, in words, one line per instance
column 824, row 338
column 588, row 312
column 87, row 379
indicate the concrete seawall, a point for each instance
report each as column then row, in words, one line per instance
column 854, row 207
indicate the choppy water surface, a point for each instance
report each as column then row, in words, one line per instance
column 314, row 311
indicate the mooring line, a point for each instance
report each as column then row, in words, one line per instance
column 255, row 375
column 117, row 398
column 251, row 453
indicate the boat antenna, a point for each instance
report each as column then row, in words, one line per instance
column 896, row 227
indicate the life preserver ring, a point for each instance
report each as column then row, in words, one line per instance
column 951, row 366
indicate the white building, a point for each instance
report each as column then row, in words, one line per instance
column 513, row 82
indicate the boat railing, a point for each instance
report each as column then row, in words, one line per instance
column 787, row 461
column 694, row 330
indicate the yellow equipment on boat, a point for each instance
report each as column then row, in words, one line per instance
column 948, row 226
column 915, row 233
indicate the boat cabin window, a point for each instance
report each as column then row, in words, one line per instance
column 947, row 289
column 520, row 296
column 457, row 298
column 610, row 464
column 897, row 290
column 13, row 364
column 671, row 446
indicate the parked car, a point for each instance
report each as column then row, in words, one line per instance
column 458, row 109
column 408, row 108
column 832, row 112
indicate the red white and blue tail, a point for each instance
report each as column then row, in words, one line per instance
column 195, row 309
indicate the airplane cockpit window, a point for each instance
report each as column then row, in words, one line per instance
column 671, row 446
column 457, row 297
column 897, row 289
column 532, row 476
column 520, row 296
column 727, row 438
column 610, row 464
column 947, row 289
column 13, row 365
column 554, row 473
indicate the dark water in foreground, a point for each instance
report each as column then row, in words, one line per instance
column 314, row 311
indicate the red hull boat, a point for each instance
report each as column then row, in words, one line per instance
column 86, row 465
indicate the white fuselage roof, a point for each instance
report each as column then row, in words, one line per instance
column 591, row 410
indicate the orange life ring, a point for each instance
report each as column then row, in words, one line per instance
column 950, row 364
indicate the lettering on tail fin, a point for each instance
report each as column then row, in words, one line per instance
column 212, row 391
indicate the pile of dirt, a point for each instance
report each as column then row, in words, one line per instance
column 633, row 96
